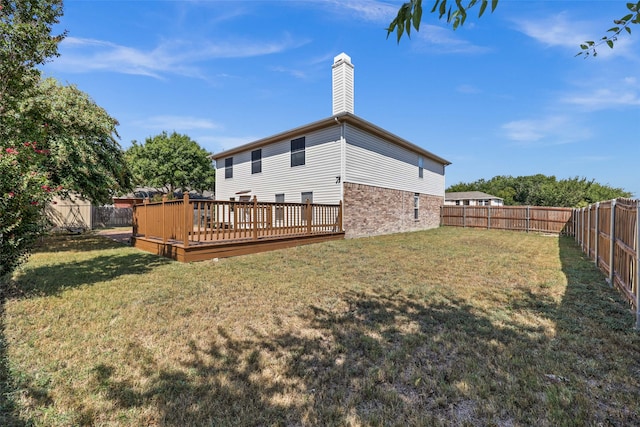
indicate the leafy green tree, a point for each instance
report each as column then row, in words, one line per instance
column 455, row 13
column 542, row 190
column 85, row 156
column 52, row 138
column 171, row 161
column 26, row 41
column 24, row 190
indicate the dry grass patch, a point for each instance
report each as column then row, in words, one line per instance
column 443, row 327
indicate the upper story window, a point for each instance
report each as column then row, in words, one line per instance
column 256, row 161
column 297, row 151
column 420, row 167
column 228, row 167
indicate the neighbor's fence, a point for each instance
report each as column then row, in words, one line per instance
column 200, row 221
column 110, row 216
column 517, row 218
column 608, row 233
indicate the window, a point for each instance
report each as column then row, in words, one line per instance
column 297, row 151
column 256, row 161
column 228, row 168
column 457, row 202
column 280, row 208
column 420, row 167
column 416, row 205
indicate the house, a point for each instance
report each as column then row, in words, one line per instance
column 385, row 183
column 471, row 198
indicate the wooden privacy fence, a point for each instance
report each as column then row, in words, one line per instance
column 608, row 233
column 517, row 218
column 190, row 222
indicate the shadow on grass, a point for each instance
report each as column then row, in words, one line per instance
column 8, row 408
column 63, row 242
column 398, row 359
column 386, row 360
column 53, row 279
column 596, row 338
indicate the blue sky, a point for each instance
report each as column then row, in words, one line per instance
column 502, row 95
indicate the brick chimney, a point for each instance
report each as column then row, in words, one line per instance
column 342, row 72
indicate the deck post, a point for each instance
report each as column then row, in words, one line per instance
column 340, row 216
column 309, row 217
column 145, row 229
column 188, row 219
column 255, row 217
column 164, row 220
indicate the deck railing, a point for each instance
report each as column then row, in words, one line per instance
column 188, row 221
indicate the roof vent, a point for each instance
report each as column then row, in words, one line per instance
column 342, row 71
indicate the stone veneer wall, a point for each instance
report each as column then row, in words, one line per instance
column 369, row 211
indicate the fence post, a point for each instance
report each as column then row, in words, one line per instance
column 488, row 217
column 464, row 216
column 309, row 217
column 528, row 219
column 597, row 234
column 255, row 217
column 589, row 232
column 188, row 219
column 612, row 243
column 637, row 272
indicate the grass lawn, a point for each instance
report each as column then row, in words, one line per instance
column 443, row 327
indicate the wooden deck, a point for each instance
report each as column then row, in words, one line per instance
column 196, row 230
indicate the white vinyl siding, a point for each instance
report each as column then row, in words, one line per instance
column 373, row 161
column 318, row 174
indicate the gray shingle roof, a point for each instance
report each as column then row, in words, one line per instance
column 469, row 195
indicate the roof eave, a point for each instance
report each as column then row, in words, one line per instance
column 331, row 121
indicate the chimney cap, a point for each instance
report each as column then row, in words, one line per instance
column 342, row 57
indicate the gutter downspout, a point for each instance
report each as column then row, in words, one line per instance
column 343, row 157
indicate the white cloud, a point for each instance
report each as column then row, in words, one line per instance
column 444, row 40
column 367, row 10
column 175, row 57
column 551, row 130
column 605, row 93
column 560, row 30
column 468, row 89
column 177, row 123
column 602, row 99
column 216, row 144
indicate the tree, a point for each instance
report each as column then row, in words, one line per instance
column 410, row 15
column 171, row 161
column 53, row 138
column 542, row 190
column 25, row 42
column 85, row 156
column 24, row 190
